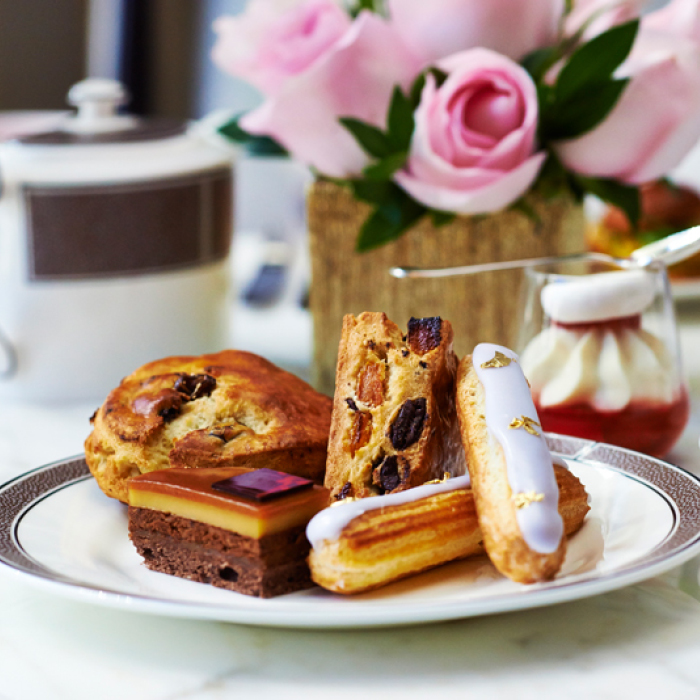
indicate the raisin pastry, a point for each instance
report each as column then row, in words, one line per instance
column 228, row 409
column 394, row 423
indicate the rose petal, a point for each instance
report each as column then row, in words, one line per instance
column 679, row 18
column 438, row 28
column 496, row 193
column 275, row 39
column 356, row 78
column 653, row 125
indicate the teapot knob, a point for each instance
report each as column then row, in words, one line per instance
column 98, row 100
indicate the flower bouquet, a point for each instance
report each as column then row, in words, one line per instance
column 411, row 113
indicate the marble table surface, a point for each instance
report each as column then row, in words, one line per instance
column 642, row 641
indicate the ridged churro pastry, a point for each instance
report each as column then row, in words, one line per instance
column 514, row 486
column 394, row 423
column 367, row 543
column 227, row 409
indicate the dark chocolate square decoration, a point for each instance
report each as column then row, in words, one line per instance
column 262, row 484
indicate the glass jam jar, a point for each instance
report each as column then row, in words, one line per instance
column 599, row 346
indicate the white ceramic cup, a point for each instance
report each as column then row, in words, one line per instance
column 113, row 253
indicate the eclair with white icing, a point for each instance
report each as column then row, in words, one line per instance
column 370, row 542
column 513, row 480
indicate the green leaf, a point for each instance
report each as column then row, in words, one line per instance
column 582, row 112
column 416, row 90
column 389, row 221
column 400, row 123
column 439, row 75
column 524, row 207
column 545, row 98
column 265, row 146
column 231, row 130
column 626, row 197
column 596, row 60
column 441, row 218
column 373, row 140
column 360, row 5
column 385, row 168
column 256, row 145
column 539, row 61
column 373, row 191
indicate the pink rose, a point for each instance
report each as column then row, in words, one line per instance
column 355, row 77
column 473, row 148
column 435, row 29
column 656, row 120
column 679, row 17
column 273, row 41
column 597, row 16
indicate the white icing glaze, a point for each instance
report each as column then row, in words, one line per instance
column 604, row 368
column 329, row 523
column 528, row 459
column 591, row 298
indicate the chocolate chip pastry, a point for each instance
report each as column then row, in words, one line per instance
column 232, row 408
column 394, row 424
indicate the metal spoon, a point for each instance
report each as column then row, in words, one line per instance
column 669, row 250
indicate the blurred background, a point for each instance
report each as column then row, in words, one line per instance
column 160, row 49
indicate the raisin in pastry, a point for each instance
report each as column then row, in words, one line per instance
column 394, row 424
column 229, row 409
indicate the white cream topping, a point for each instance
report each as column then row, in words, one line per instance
column 607, row 369
column 528, row 460
column 591, row 298
column 328, row 525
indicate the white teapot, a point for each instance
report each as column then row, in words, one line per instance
column 114, row 237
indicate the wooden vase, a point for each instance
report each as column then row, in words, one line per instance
column 481, row 308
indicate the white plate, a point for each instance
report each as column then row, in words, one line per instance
column 59, row 531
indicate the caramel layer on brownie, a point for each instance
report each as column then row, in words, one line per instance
column 188, row 493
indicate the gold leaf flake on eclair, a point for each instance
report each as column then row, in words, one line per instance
column 524, row 422
column 526, row 498
column 499, row 360
column 446, row 477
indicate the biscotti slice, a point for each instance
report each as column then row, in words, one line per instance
column 235, row 528
column 394, row 424
column 228, row 409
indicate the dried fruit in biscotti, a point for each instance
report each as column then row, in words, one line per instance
column 407, row 427
column 394, row 424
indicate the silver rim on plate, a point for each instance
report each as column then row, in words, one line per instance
column 679, row 489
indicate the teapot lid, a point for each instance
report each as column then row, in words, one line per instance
column 97, row 120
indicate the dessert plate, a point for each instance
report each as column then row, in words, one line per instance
column 58, row 531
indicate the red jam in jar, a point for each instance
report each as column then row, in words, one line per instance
column 651, row 428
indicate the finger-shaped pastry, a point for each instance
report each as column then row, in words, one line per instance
column 510, row 465
column 370, row 542
column 394, row 422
